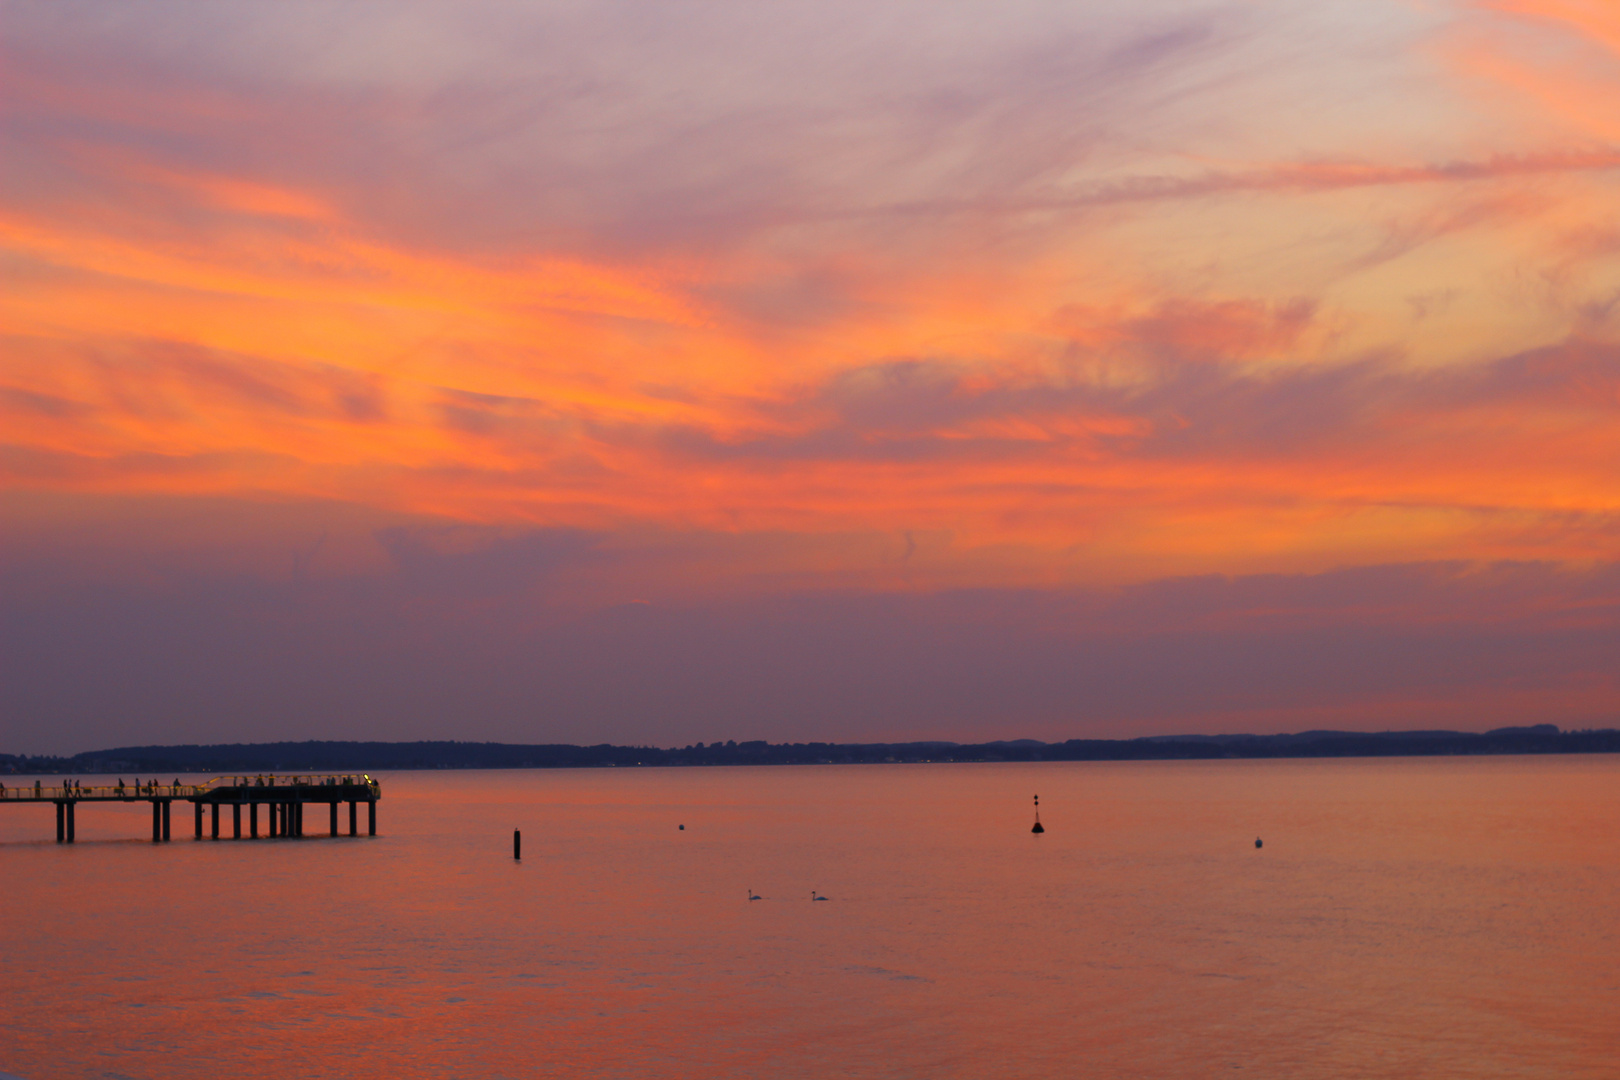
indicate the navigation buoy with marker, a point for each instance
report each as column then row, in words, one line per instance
column 1039, row 828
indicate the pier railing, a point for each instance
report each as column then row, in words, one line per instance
column 248, row 785
column 99, row 791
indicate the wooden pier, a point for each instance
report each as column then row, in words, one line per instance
column 282, row 797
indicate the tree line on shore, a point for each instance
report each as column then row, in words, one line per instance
column 332, row 756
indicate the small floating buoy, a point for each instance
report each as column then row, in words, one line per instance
column 1039, row 828
column 1258, row 843
column 681, row 827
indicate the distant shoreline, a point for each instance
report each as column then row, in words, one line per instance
column 376, row 756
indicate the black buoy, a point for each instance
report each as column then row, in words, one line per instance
column 517, row 844
column 1039, row 828
column 681, row 827
column 1258, row 843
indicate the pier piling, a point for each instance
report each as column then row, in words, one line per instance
column 253, row 821
column 215, row 828
column 198, row 808
column 517, row 844
column 354, row 810
column 70, row 829
column 371, row 818
column 236, row 821
column 333, row 806
column 157, row 823
column 61, row 822
column 165, row 803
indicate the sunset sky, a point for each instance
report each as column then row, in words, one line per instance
column 652, row 373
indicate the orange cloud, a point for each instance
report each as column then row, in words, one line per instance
column 1048, row 373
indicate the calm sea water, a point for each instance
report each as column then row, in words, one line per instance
column 1425, row 917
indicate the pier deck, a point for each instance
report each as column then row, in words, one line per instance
column 283, row 798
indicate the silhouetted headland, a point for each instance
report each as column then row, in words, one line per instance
column 341, row 756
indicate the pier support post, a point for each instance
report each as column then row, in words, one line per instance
column 197, row 807
column 61, row 822
column 166, row 818
column 300, row 819
column 333, row 805
column 236, row 821
column 253, row 821
column 276, row 810
column 70, row 829
column 354, row 810
column 157, row 823
column 215, row 809
column 371, row 818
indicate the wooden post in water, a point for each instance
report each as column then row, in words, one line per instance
column 517, row 844
column 253, row 821
column 215, row 833
column 354, row 811
column 70, row 829
column 236, row 821
column 371, row 818
column 61, row 822
column 333, row 805
column 165, row 818
column 197, row 808
column 157, row 823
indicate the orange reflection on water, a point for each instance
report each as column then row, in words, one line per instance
column 1409, row 917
